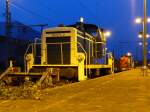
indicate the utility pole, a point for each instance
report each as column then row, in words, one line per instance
column 144, row 37
column 8, row 32
column 144, row 40
column 8, row 19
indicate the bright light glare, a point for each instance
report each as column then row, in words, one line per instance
column 107, row 33
column 129, row 54
column 140, row 43
column 147, row 36
column 148, row 20
column 140, row 35
column 138, row 20
column 81, row 19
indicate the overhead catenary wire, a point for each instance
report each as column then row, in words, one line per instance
column 48, row 8
column 25, row 12
column 82, row 5
column 40, row 17
column 88, row 10
column 45, row 6
column 2, row 14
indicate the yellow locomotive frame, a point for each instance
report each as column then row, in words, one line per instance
column 78, row 60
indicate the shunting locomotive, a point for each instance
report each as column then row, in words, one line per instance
column 126, row 62
column 75, row 51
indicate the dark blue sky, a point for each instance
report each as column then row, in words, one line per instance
column 115, row 15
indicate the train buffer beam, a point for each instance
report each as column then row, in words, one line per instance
column 23, row 74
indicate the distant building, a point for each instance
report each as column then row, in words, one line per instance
column 14, row 47
column 19, row 31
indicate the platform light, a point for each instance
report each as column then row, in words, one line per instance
column 140, row 43
column 140, row 35
column 138, row 20
column 148, row 20
column 147, row 36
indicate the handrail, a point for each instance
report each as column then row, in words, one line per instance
column 35, row 43
column 4, row 73
column 30, row 45
column 101, row 43
column 61, row 43
column 85, row 56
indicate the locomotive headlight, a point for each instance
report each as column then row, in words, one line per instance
column 107, row 33
column 129, row 54
column 81, row 19
column 81, row 57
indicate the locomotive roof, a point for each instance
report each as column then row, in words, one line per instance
column 90, row 28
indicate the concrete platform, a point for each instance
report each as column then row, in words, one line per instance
column 128, row 91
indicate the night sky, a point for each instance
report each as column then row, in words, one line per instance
column 115, row 15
